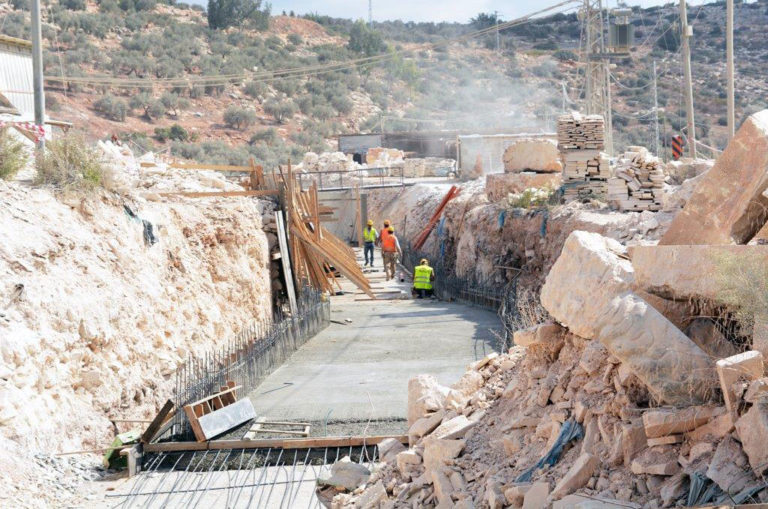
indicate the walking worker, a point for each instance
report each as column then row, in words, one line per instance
column 384, row 231
column 390, row 249
column 369, row 237
column 423, row 278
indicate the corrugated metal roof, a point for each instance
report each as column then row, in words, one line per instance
column 16, row 77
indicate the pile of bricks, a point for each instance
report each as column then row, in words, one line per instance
column 638, row 181
column 586, row 169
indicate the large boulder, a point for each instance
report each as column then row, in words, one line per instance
column 589, row 290
column 425, row 395
column 532, row 154
column 728, row 206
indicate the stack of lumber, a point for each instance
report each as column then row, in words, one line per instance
column 638, row 181
column 586, row 169
column 316, row 253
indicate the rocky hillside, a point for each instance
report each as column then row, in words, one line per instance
column 234, row 106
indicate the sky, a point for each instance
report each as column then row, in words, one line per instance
column 426, row 10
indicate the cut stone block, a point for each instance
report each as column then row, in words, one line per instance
column 406, row 460
column 675, row 272
column 660, row 423
column 425, row 395
column 667, row 440
column 632, row 441
column 715, row 429
column 753, row 433
column 545, row 334
column 532, row 154
column 589, row 290
column 728, row 206
column 577, row 476
column 744, row 366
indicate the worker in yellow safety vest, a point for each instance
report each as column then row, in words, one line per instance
column 390, row 249
column 369, row 239
column 423, row 278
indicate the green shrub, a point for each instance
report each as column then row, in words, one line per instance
column 322, row 112
column 73, row 5
column 564, row 54
column 280, row 110
column 239, row 118
column 365, row 40
column 268, row 136
column 69, row 164
column 111, row 107
column 255, row 88
column 226, row 13
column 295, row 39
column 744, row 288
column 13, row 156
column 532, row 197
column 342, row 104
column 175, row 133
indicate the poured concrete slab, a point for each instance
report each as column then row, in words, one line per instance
column 728, row 205
column 360, row 371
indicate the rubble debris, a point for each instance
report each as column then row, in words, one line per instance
column 589, row 290
column 638, row 181
column 586, row 169
column 425, row 395
column 728, row 206
column 666, row 422
column 729, row 467
column 389, row 449
column 577, row 476
column 532, row 155
column 498, row 186
column 660, row 460
column 752, row 428
column 536, row 496
column 744, row 366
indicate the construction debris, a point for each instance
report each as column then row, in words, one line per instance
column 637, row 183
column 586, row 169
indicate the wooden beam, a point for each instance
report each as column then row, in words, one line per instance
column 223, row 194
column 287, row 443
column 212, row 167
column 158, row 421
column 286, row 262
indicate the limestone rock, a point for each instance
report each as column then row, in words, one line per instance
column 705, row 333
column 757, row 391
column 442, row 485
column 674, row 488
column 372, row 497
column 390, row 448
column 425, row 395
column 425, row 425
column 539, row 155
column 577, row 476
column 454, row 428
column 753, row 433
column 729, row 468
column 499, row 185
column 744, row 366
column 406, row 460
column 728, row 205
column 674, row 272
column 656, row 461
column 516, row 494
column 536, row 496
column 438, row 451
column 346, row 474
column 714, row 430
column 470, row 382
column 589, row 290
column 582, row 502
column 632, row 441
column 663, row 422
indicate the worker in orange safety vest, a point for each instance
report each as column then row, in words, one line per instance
column 390, row 249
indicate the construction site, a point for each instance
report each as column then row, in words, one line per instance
column 551, row 316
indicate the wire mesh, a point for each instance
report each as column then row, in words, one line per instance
column 249, row 358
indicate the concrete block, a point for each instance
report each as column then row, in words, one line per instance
column 589, row 290
column 577, row 476
column 746, row 366
column 664, row 422
column 753, row 433
column 728, row 206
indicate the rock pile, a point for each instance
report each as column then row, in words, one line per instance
column 638, row 181
column 586, row 169
column 571, row 416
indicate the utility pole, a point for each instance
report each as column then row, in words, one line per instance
column 729, row 67
column 686, row 33
column 656, row 111
column 498, row 40
column 370, row 13
column 37, row 71
column 598, row 95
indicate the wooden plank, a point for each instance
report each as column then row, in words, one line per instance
column 226, row 418
column 286, row 262
column 287, row 443
column 223, row 194
column 157, row 422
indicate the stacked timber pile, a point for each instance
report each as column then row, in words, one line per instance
column 580, row 140
column 638, row 181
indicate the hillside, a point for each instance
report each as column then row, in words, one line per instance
column 232, row 108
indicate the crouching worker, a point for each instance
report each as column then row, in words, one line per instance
column 423, row 278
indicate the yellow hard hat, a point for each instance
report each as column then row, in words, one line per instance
column 370, row 222
column 386, row 222
column 391, row 230
column 424, row 261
